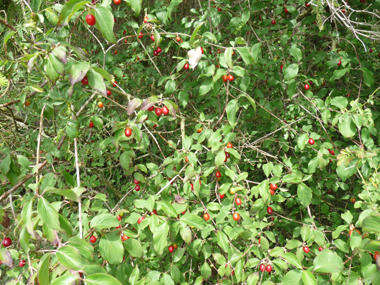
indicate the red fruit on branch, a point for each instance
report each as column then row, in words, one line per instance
column 270, row 210
column 128, row 132
column 311, row 141
column 93, row 239
column 91, row 124
column 90, row 20
column 165, row 110
column 158, row 111
column 306, row 249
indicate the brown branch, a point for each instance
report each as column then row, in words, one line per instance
column 14, row 29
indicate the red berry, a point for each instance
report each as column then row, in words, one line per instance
column 262, row 267
column 273, row 22
column 218, row 174
column 93, row 239
column 115, row 51
column 171, row 248
column 151, row 108
column 186, row 66
column 282, row 67
column 225, row 78
column 202, row 50
column 155, row 53
column 238, row 201
column 206, row 216
column 154, row 212
column 140, row 35
column 273, row 186
column 376, row 255
column 124, row 237
column 311, row 141
column 286, row 11
column 136, row 181
column 230, row 77
column 117, row 2
column 221, row 196
column 306, row 249
column 371, row 50
column 114, row 83
column 228, row 155
column 137, row 187
column 236, row 217
column 320, row 248
column 229, row 145
column 339, row 62
column 307, row 5
column 119, row 218
column 159, row 50
column 268, row 268
column 128, row 132
column 158, row 111
column 85, row 80
column 307, row 86
column 21, row 263
column 152, row 37
column 90, row 20
column 165, row 110
column 140, row 220
column 219, row 9
column 109, row 93
column 91, row 124
column 7, row 242
column 269, row 210
column 271, row 192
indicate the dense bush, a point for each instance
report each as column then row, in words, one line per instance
column 189, row 142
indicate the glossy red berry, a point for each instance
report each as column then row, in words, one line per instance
column 159, row 50
column 218, row 174
column 307, row 5
column 238, row 201
column 91, row 124
column 119, row 218
column 202, row 50
column 307, row 86
column 151, row 108
column 286, row 11
column 186, row 66
column 85, row 80
column 114, row 83
column 268, row 268
column 136, row 181
column 171, row 248
column 273, row 22
column 270, row 210
column 93, row 239
column 140, row 220
column 229, row 145
column 7, row 242
column 206, row 217
column 90, row 20
column 262, row 267
column 306, row 249
column 311, row 141
column 128, row 132
column 109, row 93
column 137, row 187
column 165, row 110
column 228, row 155
column 221, row 196
column 140, row 35
column 273, row 186
column 320, row 248
column 158, row 111
column 154, row 212
column 236, row 217
column 225, row 78
column 339, row 62
column 230, row 77
column 117, row 2
column 21, row 263
column 155, row 53
column 152, row 37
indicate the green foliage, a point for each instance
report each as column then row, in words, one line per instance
column 226, row 180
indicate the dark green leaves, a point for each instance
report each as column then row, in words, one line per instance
column 193, row 220
column 111, row 248
column 104, row 23
column 48, row 214
column 69, row 9
column 104, row 221
column 291, row 71
column 304, row 194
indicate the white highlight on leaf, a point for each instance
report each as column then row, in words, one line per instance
column 194, row 57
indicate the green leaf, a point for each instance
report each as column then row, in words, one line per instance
column 193, row 220
column 124, row 161
column 328, row 262
column 102, row 72
column 222, row 241
column 104, row 221
column 347, row 216
column 35, row 5
column 111, row 248
column 5, row 164
column 347, row 126
column 296, row 53
column 292, row 259
column 253, row 278
column 95, row 80
column 23, row 161
column 166, row 279
column 195, row 32
column 371, row 224
column 305, row 194
column 231, row 109
column 256, row 50
column 48, row 214
column 43, row 270
column 291, row 71
column 98, row 122
column 186, row 234
column 308, row 278
column 69, row 257
column 339, row 73
column 136, row 6
column 368, row 76
column 101, row 278
column 133, row 247
column 69, row 9
column 340, row 102
column 168, row 208
column 245, row 55
column 302, row 141
column 50, row 71
column 64, row 280
column 293, row 277
column 58, row 66
column 160, row 238
column 228, row 57
column 78, row 71
column 205, row 270
column 219, row 158
column 104, row 22
column 210, row 36
column 69, row 178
